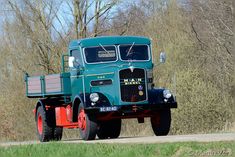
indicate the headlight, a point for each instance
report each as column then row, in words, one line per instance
column 167, row 94
column 94, row 97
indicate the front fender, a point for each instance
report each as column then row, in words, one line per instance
column 156, row 97
column 103, row 101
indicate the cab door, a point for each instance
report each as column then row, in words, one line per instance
column 76, row 71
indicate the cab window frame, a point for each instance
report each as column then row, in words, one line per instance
column 148, row 48
column 100, row 62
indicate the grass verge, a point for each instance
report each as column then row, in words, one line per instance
column 181, row 149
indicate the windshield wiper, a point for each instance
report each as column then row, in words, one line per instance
column 104, row 48
column 128, row 53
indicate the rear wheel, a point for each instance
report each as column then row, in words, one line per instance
column 161, row 122
column 58, row 131
column 87, row 124
column 44, row 127
column 109, row 129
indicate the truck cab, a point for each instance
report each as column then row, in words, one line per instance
column 107, row 79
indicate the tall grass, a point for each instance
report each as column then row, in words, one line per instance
column 121, row 150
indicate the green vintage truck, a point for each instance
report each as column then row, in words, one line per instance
column 102, row 81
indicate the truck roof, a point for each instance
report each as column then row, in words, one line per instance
column 108, row 40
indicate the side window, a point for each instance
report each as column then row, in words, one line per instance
column 77, row 55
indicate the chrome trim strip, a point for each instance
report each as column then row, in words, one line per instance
column 102, row 84
column 92, row 75
column 100, row 74
column 84, row 90
column 76, row 76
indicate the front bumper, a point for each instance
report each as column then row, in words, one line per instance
column 129, row 111
column 132, row 108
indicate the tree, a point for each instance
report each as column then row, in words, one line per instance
column 85, row 17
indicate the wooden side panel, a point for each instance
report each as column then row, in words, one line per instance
column 34, row 85
column 48, row 85
column 53, row 83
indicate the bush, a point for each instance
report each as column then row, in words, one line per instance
column 202, row 107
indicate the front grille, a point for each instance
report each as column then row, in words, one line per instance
column 132, row 85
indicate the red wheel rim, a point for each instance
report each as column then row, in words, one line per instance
column 82, row 119
column 40, row 124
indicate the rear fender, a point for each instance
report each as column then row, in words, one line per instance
column 41, row 102
column 47, row 103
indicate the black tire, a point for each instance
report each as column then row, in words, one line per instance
column 161, row 122
column 115, row 128
column 44, row 126
column 89, row 131
column 58, row 132
column 103, row 129
column 109, row 129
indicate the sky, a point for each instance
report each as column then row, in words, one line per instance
column 64, row 14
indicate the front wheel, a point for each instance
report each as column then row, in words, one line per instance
column 109, row 129
column 115, row 127
column 87, row 125
column 161, row 122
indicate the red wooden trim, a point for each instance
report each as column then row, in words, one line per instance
column 34, row 91
column 53, row 85
column 34, row 82
column 53, row 90
column 52, row 80
column 31, row 85
column 34, row 87
column 33, row 78
column 52, row 77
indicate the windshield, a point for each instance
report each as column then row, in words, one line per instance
column 100, row 54
column 134, row 52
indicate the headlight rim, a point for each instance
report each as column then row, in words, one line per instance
column 94, row 97
column 167, row 93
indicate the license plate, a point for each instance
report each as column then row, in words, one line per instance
column 108, row 109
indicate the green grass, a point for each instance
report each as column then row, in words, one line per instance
column 183, row 149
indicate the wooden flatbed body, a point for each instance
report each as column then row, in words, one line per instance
column 48, row 85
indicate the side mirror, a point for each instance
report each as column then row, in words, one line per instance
column 71, row 61
column 162, row 57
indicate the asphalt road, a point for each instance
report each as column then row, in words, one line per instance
column 147, row 139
